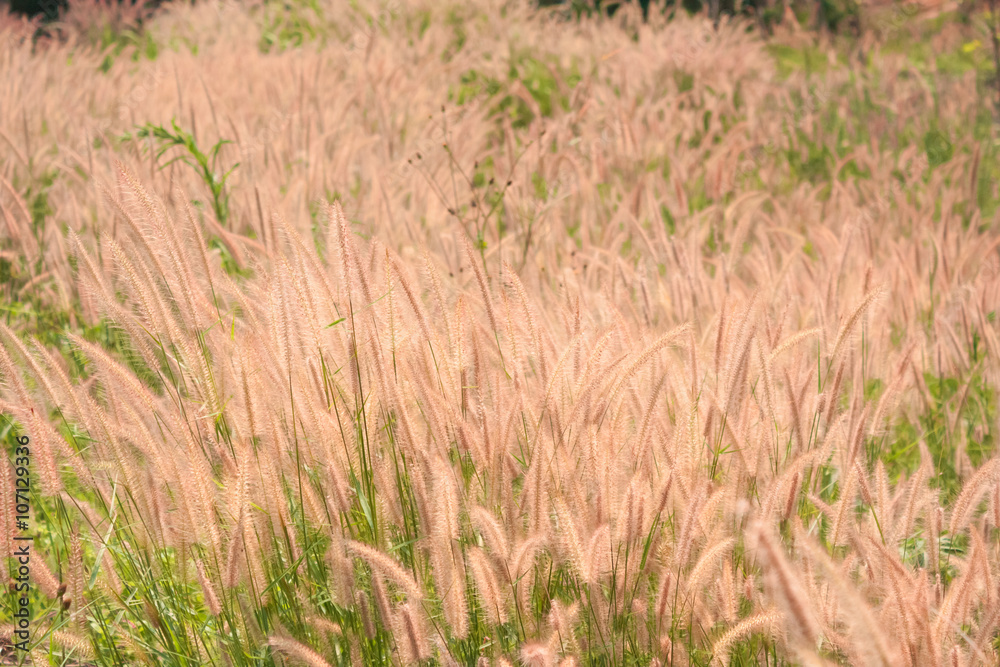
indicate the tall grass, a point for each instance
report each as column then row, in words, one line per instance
column 517, row 342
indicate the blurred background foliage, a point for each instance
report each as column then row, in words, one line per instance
column 827, row 14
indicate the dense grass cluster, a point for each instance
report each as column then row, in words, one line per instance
column 463, row 334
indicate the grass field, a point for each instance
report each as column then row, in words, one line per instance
column 468, row 334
